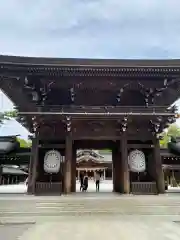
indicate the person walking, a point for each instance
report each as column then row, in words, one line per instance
column 81, row 181
column 97, row 181
column 85, row 183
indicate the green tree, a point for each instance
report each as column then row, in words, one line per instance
column 165, row 139
column 24, row 143
column 172, row 131
column 7, row 115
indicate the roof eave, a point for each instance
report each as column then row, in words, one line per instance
column 85, row 62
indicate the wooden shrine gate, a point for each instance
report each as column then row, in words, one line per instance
column 69, row 103
column 124, row 181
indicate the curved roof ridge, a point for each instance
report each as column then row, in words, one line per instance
column 90, row 151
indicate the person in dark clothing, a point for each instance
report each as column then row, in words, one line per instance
column 97, row 181
column 81, row 181
column 85, row 183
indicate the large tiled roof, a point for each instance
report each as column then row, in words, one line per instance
column 12, row 171
column 8, row 143
column 74, row 62
column 94, row 155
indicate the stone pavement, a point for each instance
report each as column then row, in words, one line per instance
column 13, row 231
column 87, row 216
column 106, row 229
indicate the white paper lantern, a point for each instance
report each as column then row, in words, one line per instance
column 52, row 161
column 137, row 161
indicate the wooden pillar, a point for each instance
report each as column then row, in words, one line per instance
column 116, row 170
column 114, row 166
column 73, row 170
column 125, row 179
column 1, row 173
column 159, row 175
column 30, row 170
column 32, row 176
column 68, row 163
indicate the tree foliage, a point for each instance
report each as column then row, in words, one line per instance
column 172, row 131
column 7, row 115
column 24, row 143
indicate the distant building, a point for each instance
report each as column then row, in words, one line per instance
column 90, row 161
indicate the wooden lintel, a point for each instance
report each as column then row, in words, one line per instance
column 94, row 144
column 52, row 145
column 140, row 146
column 96, row 138
column 145, row 137
column 51, row 138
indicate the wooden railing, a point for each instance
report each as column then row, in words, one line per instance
column 49, row 188
column 143, row 188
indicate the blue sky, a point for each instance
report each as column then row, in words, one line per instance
column 90, row 29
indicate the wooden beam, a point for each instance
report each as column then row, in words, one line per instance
column 93, row 144
column 140, row 146
column 52, row 146
column 52, row 137
column 96, row 137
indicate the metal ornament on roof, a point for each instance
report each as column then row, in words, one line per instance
column 137, row 161
column 52, row 161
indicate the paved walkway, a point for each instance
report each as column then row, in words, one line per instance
column 80, row 229
column 109, row 216
column 89, row 215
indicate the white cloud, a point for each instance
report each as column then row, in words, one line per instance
column 101, row 28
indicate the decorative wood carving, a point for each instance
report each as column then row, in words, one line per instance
column 98, row 83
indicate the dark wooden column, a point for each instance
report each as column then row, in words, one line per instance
column 33, row 165
column 73, row 171
column 159, row 175
column 116, row 169
column 30, row 172
column 125, row 179
column 68, row 164
column 1, row 172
